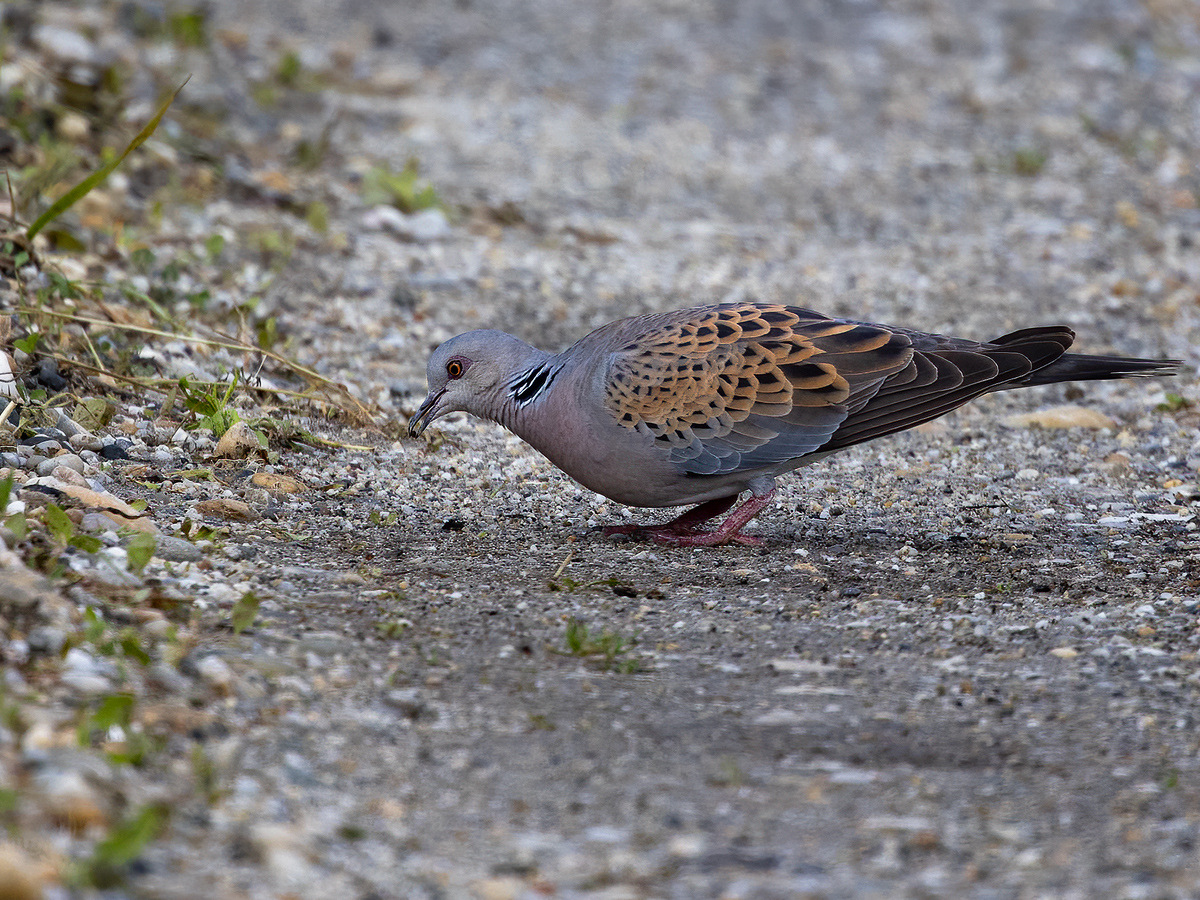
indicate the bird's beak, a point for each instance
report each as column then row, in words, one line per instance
column 425, row 413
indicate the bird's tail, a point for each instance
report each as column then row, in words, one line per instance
column 1081, row 367
column 1077, row 366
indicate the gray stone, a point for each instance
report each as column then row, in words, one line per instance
column 420, row 227
column 69, row 460
column 215, row 671
column 85, row 683
column 85, row 441
column 17, row 651
column 175, row 549
column 65, row 44
column 47, row 639
column 23, row 588
column 84, row 673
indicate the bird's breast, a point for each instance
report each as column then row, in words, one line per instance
column 627, row 466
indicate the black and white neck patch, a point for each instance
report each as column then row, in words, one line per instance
column 528, row 386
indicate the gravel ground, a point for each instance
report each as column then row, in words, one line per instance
column 963, row 664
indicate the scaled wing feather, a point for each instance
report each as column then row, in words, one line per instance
column 739, row 386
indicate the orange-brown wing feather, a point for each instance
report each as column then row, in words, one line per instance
column 744, row 386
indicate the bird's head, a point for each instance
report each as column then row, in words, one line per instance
column 468, row 373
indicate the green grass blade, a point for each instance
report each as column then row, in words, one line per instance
column 71, row 197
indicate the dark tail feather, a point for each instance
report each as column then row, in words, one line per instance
column 1080, row 367
column 1038, row 345
column 1058, row 334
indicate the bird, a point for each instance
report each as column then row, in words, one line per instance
column 695, row 407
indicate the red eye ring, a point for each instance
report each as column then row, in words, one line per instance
column 455, row 368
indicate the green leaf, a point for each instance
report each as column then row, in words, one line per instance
column 190, row 27
column 210, row 404
column 205, row 774
column 1028, row 161
column 214, row 244
column 64, row 240
column 140, row 549
column 64, row 286
column 138, row 747
column 126, row 842
column 576, row 636
column 88, row 543
column 219, row 422
column 18, row 525
column 1173, row 403
column 132, row 647
column 93, row 625
column 393, row 628
column 142, row 259
column 289, row 69
column 133, row 293
column 401, row 189
column 28, row 343
column 191, row 395
column 5, row 493
column 58, row 523
column 71, row 197
column 245, row 611
column 268, row 333
column 93, row 413
column 115, row 709
column 376, row 518
column 317, row 217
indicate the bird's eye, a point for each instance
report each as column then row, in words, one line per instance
column 455, row 368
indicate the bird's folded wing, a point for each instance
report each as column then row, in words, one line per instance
column 744, row 386
column 945, row 374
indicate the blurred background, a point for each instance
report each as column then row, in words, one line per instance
column 964, row 666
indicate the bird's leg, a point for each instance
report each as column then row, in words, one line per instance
column 688, row 522
column 728, row 531
column 683, row 531
column 683, row 524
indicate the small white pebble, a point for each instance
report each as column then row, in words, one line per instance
column 215, row 671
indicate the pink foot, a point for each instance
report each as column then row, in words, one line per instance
column 715, row 538
column 683, row 531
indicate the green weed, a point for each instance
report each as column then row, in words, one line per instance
column 1028, row 161
column 244, row 612
column 608, row 647
column 210, row 405
column 404, row 190
column 1174, row 403
column 109, row 862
